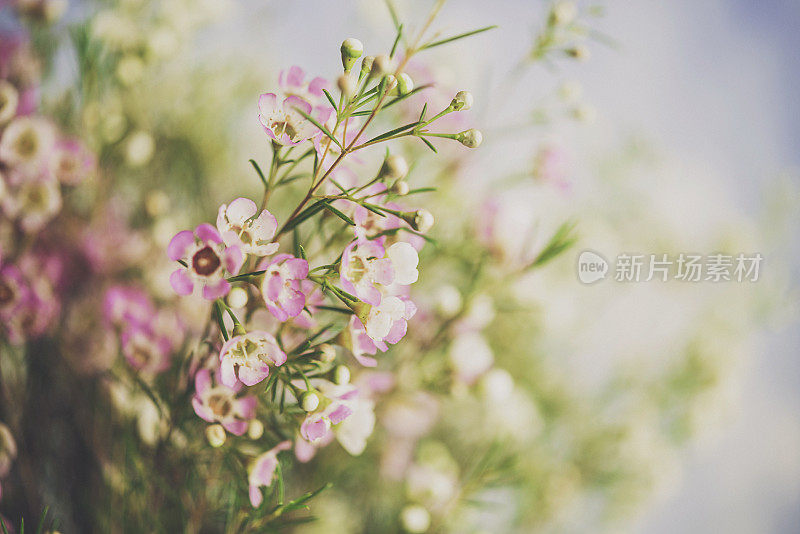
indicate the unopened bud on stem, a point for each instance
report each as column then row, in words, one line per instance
column 400, row 188
column 471, row 138
column 462, row 101
column 404, row 83
column 351, row 51
column 366, row 65
column 309, row 401
column 394, row 167
column 347, row 85
column 328, row 353
column 216, row 435
column 381, row 66
column 420, row 220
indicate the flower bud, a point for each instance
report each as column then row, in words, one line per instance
column 563, row 13
column 400, row 188
column 328, row 353
column 420, row 220
column 394, row 167
column 239, row 330
column 390, row 82
column 9, row 100
column 404, row 83
column 471, row 138
column 366, row 65
column 381, row 66
column 255, row 429
column 462, row 101
column 216, row 435
column 341, row 375
column 347, row 85
column 415, row 519
column 580, row 52
column 309, row 401
column 237, row 298
column 351, row 51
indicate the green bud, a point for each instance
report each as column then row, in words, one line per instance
column 366, row 65
column 328, row 353
column 394, row 167
column 255, row 429
column 462, row 101
column 400, row 187
column 216, row 435
column 420, row 220
column 404, row 83
column 347, row 85
column 471, row 138
column 351, row 51
column 381, row 66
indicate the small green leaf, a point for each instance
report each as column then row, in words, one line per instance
column 258, row 170
column 430, row 145
column 316, row 123
column 339, row 214
column 456, row 37
column 396, row 40
column 330, row 98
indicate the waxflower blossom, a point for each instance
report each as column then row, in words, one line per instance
column 281, row 285
column 26, row 142
column 262, row 472
column 206, row 260
column 366, row 266
column 147, row 353
column 9, row 99
column 382, row 324
column 71, row 162
column 239, row 226
column 31, row 200
column 284, row 124
column 292, row 82
column 338, row 405
column 246, row 358
column 219, row 403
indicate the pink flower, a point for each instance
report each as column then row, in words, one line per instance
column 71, row 162
column 206, row 260
column 292, row 82
column 338, row 406
column 125, row 306
column 31, row 199
column 219, row 403
column 281, row 285
column 382, row 324
column 28, row 306
column 314, row 298
column 247, row 358
column 239, row 227
column 364, row 266
column 284, row 124
column 146, row 352
column 263, row 471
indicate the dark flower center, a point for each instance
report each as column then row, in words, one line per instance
column 205, row 261
column 220, row 405
column 7, row 293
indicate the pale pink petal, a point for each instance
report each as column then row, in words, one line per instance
column 235, row 427
column 366, row 361
column 240, row 210
column 207, row 233
column 304, row 451
column 216, row 290
column 227, row 374
column 250, row 376
column 246, row 407
column 340, row 414
column 295, row 76
column 316, row 86
column 397, row 331
column 267, row 103
column 297, row 268
column 202, row 381
column 179, row 243
column 255, row 496
column 203, row 411
column 181, row 282
column 296, row 102
column 233, row 259
column 293, row 305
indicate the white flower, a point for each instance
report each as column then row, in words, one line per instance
column 27, row 142
column 238, row 225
